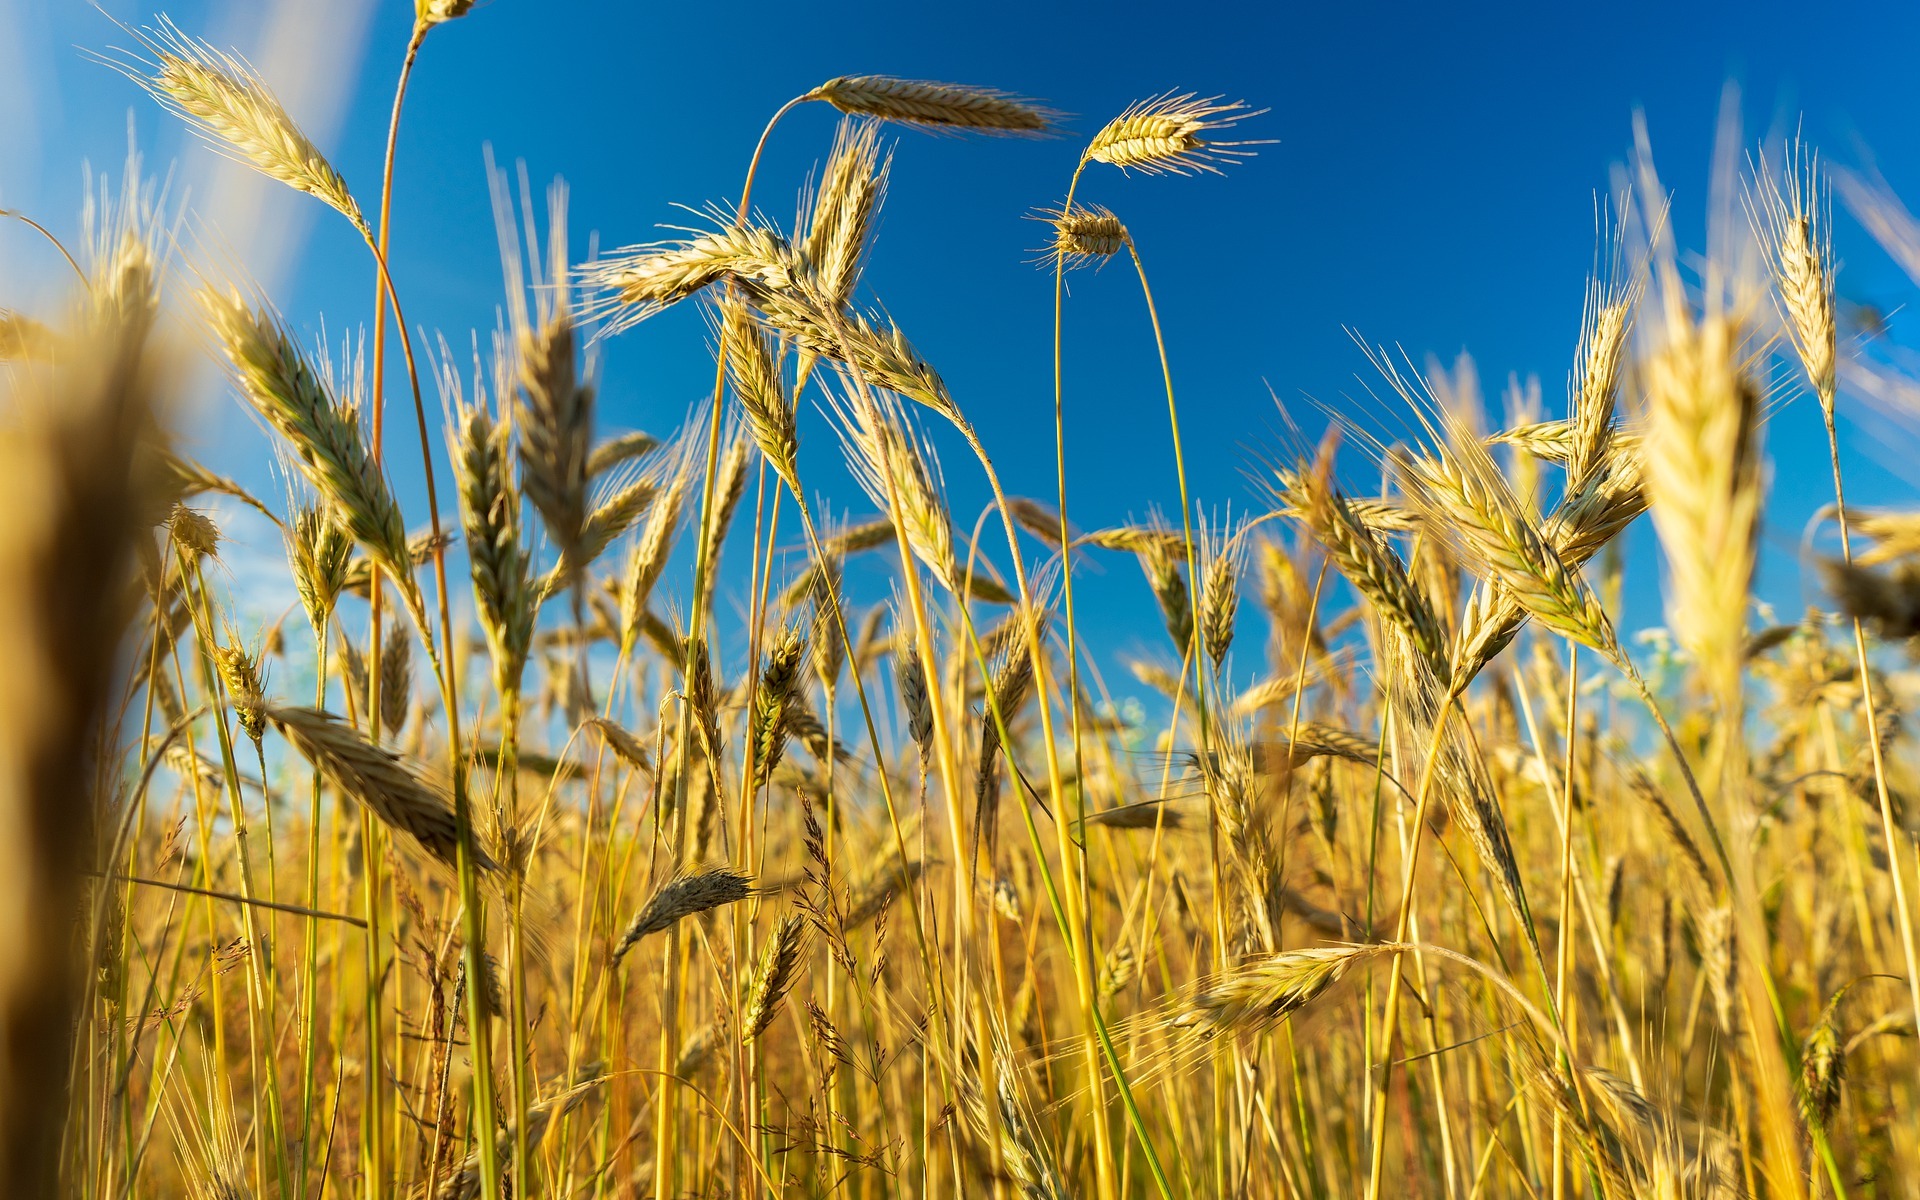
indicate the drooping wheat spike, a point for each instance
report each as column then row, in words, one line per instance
column 1888, row 600
column 753, row 363
column 193, row 532
column 839, row 226
column 504, row 599
column 1172, row 134
column 377, row 778
column 779, row 970
column 897, row 470
column 683, row 896
column 318, row 553
column 1470, row 505
column 1085, row 235
column 226, row 101
column 1161, row 559
column 636, row 282
column 1147, row 814
column 1041, row 520
column 1269, row 989
column 941, row 106
column 774, row 702
column 620, row 448
column 871, row 345
column 623, row 744
column 1792, row 213
column 1367, row 562
column 282, row 387
column 241, row 674
column 698, row 1047
column 1702, row 469
column 619, row 503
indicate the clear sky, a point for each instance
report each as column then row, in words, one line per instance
column 1432, row 184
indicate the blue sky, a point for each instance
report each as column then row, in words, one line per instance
column 1432, row 185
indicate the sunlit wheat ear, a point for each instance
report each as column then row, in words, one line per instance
column 1703, row 482
column 683, row 896
column 228, row 103
column 1467, row 502
column 1223, row 553
column 194, row 534
column 625, row 746
column 1255, row 995
column 871, row 345
column 377, row 778
column 481, row 448
column 778, row 971
column 553, row 398
column 242, row 674
column 636, row 282
column 753, row 363
column 1604, row 326
column 318, row 554
column 940, row 106
column 1372, row 567
column 899, row 474
column 1792, row 215
column 276, row 379
column 1172, row 134
column 1083, row 236
column 838, row 227
column 776, row 699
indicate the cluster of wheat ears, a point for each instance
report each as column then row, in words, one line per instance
column 641, row 895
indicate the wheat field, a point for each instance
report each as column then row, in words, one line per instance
column 577, row 835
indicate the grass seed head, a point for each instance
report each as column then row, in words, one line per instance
column 227, row 102
column 941, row 106
column 683, row 896
column 1172, row 134
column 779, row 970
